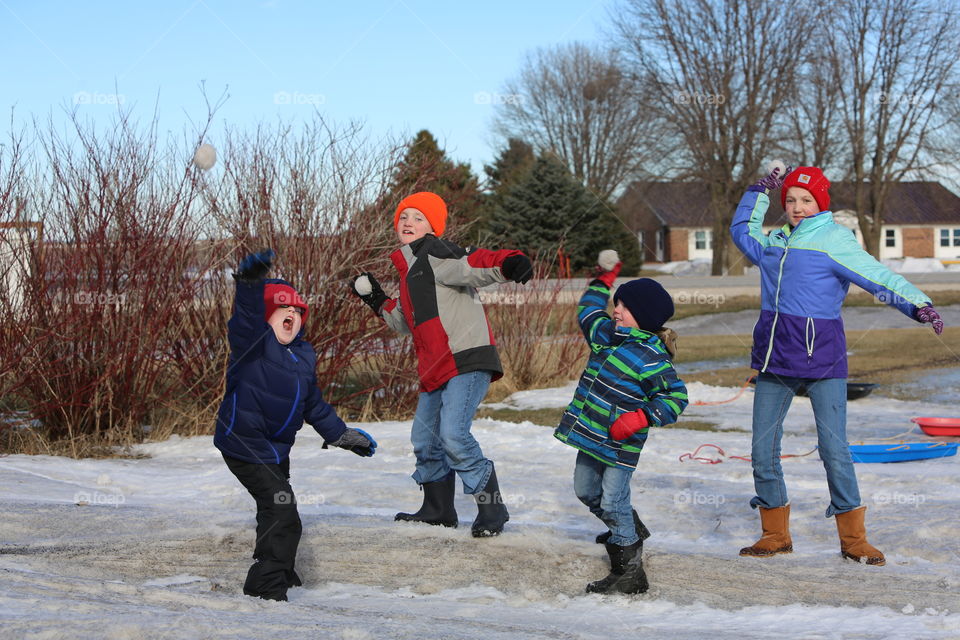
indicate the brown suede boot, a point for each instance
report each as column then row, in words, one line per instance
column 776, row 534
column 853, row 538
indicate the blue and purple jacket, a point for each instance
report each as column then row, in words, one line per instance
column 805, row 273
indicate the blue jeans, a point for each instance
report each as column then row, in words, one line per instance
column 770, row 403
column 441, row 432
column 606, row 492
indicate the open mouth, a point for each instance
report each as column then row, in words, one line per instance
column 288, row 324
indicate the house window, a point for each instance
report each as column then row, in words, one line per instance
column 703, row 240
column 890, row 237
column 950, row 237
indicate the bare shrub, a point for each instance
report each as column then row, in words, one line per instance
column 536, row 331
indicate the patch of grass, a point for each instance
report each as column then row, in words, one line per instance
column 890, row 356
column 736, row 303
column 719, row 347
column 32, row 441
column 545, row 417
column 701, row 425
column 884, row 356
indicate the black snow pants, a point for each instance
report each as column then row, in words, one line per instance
column 278, row 527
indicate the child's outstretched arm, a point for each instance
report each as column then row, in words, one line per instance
column 456, row 267
column 320, row 415
column 746, row 228
column 596, row 325
column 854, row 264
column 366, row 287
column 247, row 327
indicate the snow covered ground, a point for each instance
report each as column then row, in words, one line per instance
column 158, row 547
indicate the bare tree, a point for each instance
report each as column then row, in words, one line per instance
column 577, row 103
column 812, row 127
column 721, row 69
column 895, row 65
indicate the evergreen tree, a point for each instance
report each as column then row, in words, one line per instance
column 547, row 212
column 512, row 163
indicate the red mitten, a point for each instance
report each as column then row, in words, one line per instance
column 607, row 277
column 628, row 424
column 608, row 267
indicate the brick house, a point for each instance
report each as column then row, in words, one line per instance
column 672, row 221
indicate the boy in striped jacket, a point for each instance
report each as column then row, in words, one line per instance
column 629, row 384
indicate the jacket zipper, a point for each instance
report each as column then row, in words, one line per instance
column 233, row 414
column 590, row 390
column 809, row 339
column 776, row 305
column 296, row 401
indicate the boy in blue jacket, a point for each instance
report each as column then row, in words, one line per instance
column 629, row 384
column 271, row 390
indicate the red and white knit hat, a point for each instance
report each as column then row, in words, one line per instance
column 811, row 179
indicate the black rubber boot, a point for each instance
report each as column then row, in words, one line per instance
column 492, row 513
column 626, row 571
column 437, row 508
column 641, row 528
column 293, row 580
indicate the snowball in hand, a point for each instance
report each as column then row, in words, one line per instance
column 205, row 156
column 608, row 259
column 777, row 164
column 362, row 285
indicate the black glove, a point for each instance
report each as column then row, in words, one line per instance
column 375, row 297
column 356, row 440
column 255, row 266
column 517, row 268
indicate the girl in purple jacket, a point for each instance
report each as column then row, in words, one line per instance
column 806, row 268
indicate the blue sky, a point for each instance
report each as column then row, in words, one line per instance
column 397, row 65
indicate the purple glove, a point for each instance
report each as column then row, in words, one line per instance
column 929, row 314
column 772, row 181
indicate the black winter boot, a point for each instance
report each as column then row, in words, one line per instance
column 437, row 508
column 492, row 513
column 641, row 528
column 626, row 571
column 293, row 580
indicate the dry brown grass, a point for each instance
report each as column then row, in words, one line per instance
column 885, row 356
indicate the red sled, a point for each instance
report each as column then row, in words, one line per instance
column 939, row 426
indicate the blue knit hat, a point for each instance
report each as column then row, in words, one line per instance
column 648, row 302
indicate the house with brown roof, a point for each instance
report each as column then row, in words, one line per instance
column 672, row 220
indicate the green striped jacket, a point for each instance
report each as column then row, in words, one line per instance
column 628, row 370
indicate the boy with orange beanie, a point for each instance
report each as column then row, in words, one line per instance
column 457, row 356
column 271, row 390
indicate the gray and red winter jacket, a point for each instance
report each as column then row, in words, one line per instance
column 439, row 305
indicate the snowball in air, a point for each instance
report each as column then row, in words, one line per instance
column 777, row 164
column 608, row 259
column 205, row 156
column 362, row 285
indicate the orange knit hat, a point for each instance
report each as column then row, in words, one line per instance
column 429, row 204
